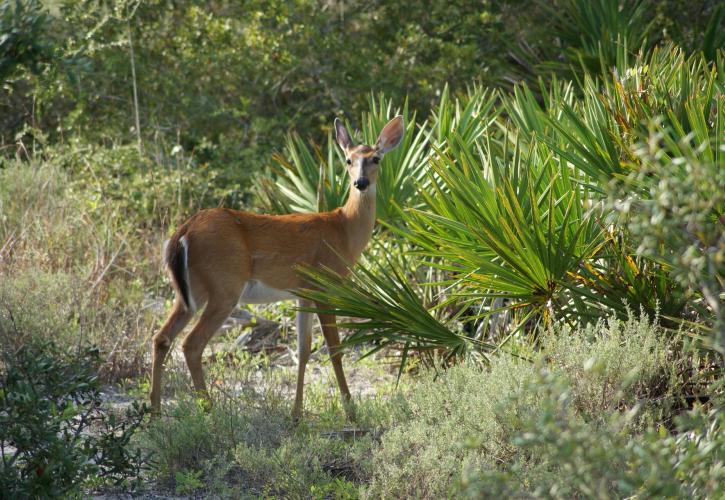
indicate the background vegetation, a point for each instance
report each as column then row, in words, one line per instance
column 551, row 240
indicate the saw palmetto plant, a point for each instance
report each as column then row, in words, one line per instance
column 516, row 201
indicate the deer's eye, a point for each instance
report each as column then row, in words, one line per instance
column 349, row 161
column 376, row 159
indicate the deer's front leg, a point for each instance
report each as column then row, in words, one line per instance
column 332, row 338
column 304, row 346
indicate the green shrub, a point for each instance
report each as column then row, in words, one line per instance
column 56, row 438
column 612, row 365
column 673, row 205
column 598, row 35
column 424, row 453
column 468, row 419
column 192, row 437
column 591, row 413
column 23, row 24
column 149, row 190
column 561, row 455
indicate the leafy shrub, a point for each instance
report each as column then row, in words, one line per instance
column 303, row 63
column 22, row 24
column 674, row 206
column 188, row 482
column 148, row 190
column 246, row 445
column 577, row 38
column 56, row 438
column 611, row 365
column 467, row 419
column 601, row 34
column 560, row 455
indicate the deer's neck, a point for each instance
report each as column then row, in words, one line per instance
column 359, row 219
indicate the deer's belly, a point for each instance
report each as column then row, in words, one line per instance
column 256, row 292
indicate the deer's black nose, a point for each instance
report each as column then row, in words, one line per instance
column 361, row 184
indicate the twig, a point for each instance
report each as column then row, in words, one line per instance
column 108, row 266
column 135, row 90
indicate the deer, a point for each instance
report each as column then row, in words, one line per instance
column 222, row 257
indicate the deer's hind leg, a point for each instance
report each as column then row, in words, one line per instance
column 178, row 318
column 217, row 310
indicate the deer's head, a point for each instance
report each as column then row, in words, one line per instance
column 363, row 161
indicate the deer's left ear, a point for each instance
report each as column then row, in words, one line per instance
column 341, row 135
column 391, row 135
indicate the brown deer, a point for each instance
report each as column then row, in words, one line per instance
column 221, row 257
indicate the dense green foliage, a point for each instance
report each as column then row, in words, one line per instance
column 556, row 428
column 227, row 81
column 570, row 208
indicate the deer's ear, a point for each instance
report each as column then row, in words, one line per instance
column 343, row 138
column 391, row 135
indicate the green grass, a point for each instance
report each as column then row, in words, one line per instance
column 248, row 446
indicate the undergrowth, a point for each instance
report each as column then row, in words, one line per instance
column 516, row 427
column 57, row 438
column 248, row 446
